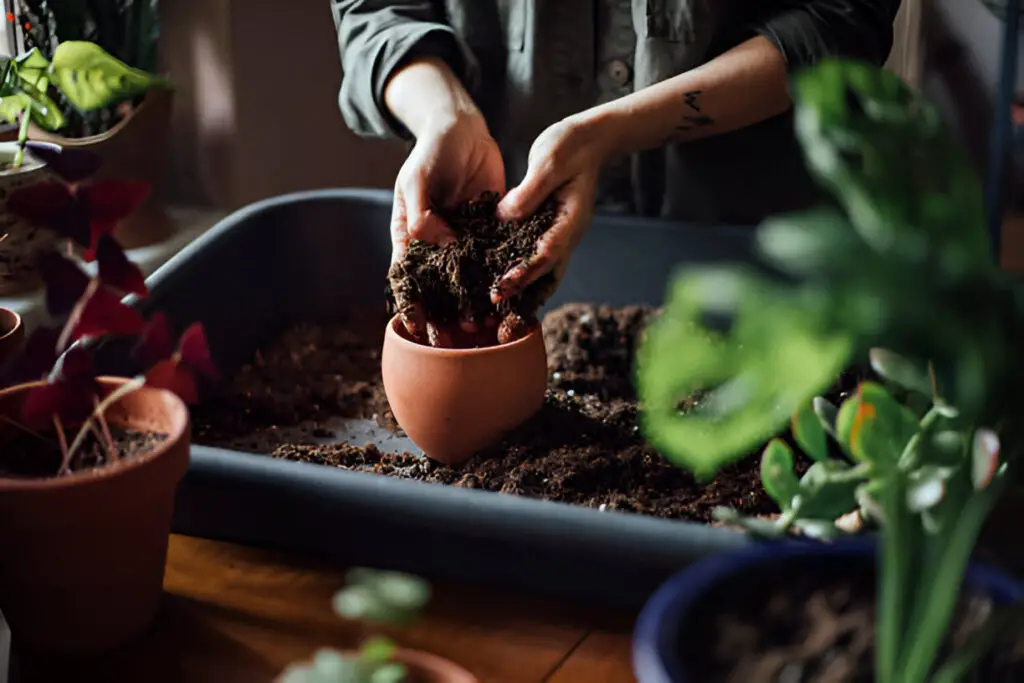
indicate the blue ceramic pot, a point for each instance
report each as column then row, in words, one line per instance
column 656, row 657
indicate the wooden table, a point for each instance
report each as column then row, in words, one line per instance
column 236, row 614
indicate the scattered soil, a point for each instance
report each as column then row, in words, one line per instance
column 584, row 446
column 810, row 624
column 453, row 283
column 31, row 456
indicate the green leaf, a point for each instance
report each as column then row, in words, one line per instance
column 761, row 528
column 774, row 358
column 809, row 432
column 777, row 476
column 377, row 650
column 845, row 418
column 984, row 458
column 881, row 427
column 944, row 448
column 827, row 414
column 91, row 79
column 820, row 529
column 389, row 673
column 816, row 242
column 925, row 488
column 826, row 492
column 904, row 179
column 901, row 371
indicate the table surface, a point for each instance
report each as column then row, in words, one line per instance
column 236, row 614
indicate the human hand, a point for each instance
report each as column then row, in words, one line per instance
column 452, row 162
column 565, row 160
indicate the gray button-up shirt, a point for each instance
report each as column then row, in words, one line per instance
column 530, row 63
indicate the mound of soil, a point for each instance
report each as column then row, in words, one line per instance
column 27, row 455
column 584, row 446
column 453, row 283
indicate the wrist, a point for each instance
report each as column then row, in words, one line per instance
column 426, row 96
column 601, row 127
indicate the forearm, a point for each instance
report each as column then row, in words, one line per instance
column 425, row 93
column 739, row 88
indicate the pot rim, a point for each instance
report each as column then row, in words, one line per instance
column 178, row 431
column 30, row 165
column 655, row 653
column 13, row 318
column 147, row 102
column 400, row 339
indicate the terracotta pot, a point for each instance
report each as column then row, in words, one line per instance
column 12, row 335
column 423, row 667
column 82, row 556
column 20, row 241
column 455, row 402
column 135, row 149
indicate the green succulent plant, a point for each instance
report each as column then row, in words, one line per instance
column 373, row 596
column 86, row 76
column 896, row 271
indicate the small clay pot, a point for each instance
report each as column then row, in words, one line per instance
column 424, row 667
column 12, row 335
column 82, row 556
column 455, row 402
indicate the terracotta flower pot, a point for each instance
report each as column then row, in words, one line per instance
column 82, row 556
column 20, row 241
column 136, row 149
column 455, row 402
column 12, row 335
column 423, row 667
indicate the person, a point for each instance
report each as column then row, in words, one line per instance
column 672, row 108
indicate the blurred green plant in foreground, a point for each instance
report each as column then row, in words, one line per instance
column 378, row 597
column 897, row 271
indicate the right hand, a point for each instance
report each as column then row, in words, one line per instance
column 453, row 161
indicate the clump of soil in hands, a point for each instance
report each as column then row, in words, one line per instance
column 812, row 624
column 451, row 286
column 584, row 446
column 27, row 455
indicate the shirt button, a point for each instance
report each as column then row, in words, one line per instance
column 619, row 72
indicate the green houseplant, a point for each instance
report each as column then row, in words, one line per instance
column 80, row 73
column 130, row 135
column 378, row 597
column 898, row 273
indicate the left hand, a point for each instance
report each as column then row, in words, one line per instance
column 565, row 160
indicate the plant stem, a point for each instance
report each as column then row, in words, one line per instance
column 896, row 577
column 18, row 425
column 19, row 156
column 108, row 440
column 112, row 398
column 65, row 464
column 941, row 584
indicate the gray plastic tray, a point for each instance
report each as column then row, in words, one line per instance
column 306, row 257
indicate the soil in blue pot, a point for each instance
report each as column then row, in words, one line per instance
column 799, row 623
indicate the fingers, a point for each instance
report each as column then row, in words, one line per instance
column 399, row 228
column 552, row 250
column 524, row 200
column 421, row 221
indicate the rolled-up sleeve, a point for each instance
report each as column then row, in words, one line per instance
column 376, row 36
column 806, row 31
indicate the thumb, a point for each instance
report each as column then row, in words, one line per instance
column 422, row 223
column 522, row 201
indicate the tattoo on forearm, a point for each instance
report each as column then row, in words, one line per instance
column 694, row 118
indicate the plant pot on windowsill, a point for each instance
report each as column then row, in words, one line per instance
column 82, row 554
column 741, row 605
column 21, row 241
column 134, row 148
